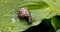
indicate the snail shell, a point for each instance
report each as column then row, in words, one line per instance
column 25, row 13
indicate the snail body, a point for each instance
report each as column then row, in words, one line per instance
column 25, row 13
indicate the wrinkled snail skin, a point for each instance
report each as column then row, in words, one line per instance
column 30, row 20
column 25, row 14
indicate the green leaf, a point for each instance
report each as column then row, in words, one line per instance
column 58, row 7
column 56, row 22
column 58, row 30
column 40, row 9
column 54, row 7
column 8, row 13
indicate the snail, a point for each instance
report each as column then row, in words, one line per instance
column 24, row 13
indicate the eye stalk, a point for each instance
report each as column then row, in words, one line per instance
column 24, row 13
